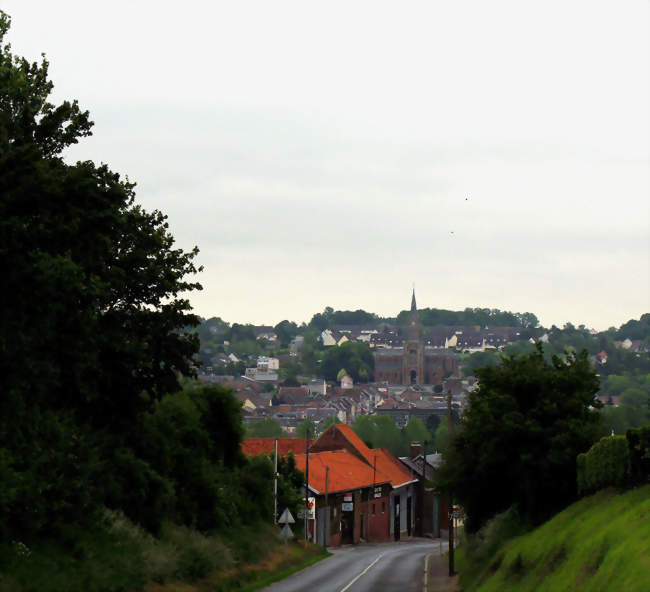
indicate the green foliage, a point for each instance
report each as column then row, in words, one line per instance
column 330, row 318
column 639, row 446
column 441, row 436
column 606, row 464
column 635, row 330
column 471, row 316
column 306, row 428
column 286, row 331
column 520, row 436
column 290, row 485
column 415, row 431
column 265, row 428
column 331, row 420
column 356, row 358
column 380, row 431
column 92, row 330
column 601, row 542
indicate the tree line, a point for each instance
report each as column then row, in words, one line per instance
column 96, row 339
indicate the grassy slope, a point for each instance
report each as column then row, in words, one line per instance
column 599, row 543
column 122, row 557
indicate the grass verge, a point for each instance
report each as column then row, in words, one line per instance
column 599, row 543
column 122, row 557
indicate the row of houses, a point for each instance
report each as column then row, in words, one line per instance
column 459, row 338
column 363, row 494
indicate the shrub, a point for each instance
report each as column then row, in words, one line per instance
column 638, row 441
column 606, row 464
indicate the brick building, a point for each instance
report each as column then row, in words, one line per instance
column 413, row 362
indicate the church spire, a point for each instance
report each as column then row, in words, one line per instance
column 413, row 329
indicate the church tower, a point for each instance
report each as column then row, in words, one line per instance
column 413, row 357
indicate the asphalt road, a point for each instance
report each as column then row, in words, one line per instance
column 384, row 567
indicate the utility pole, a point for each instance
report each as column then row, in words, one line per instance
column 306, row 483
column 326, row 522
column 275, row 485
column 450, row 432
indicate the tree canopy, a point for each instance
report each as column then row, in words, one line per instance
column 93, row 327
column 357, row 359
column 521, row 433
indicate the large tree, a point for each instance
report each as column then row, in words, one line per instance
column 520, row 436
column 93, row 324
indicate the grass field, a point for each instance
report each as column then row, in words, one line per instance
column 599, row 543
column 122, row 557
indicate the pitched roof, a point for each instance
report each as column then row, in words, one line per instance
column 257, row 446
column 346, row 471
column 386, row 463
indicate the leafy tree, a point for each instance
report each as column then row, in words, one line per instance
column 364, row 427
column 441, row 438
column 520, row 436
column 353, row 356
column 307, row 428
column 92, row 328
column 415, row 431
column 290, row 485
column 634, row 329
column 265, row 428
column 286, row 331
column 332, row 419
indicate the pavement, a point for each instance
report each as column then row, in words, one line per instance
column 438, row 579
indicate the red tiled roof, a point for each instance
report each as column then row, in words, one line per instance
column 346, row 471
column 386, row 462
column 257, row 446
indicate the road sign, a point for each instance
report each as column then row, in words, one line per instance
column 286, row 517
column 286, row 533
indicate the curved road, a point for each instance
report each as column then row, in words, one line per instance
column 388, row 567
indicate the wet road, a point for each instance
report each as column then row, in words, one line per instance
column 385, row 567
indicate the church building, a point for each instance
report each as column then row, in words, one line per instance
column 413, row 363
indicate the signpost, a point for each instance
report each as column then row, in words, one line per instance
column 286, row 533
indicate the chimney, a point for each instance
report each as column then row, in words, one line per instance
column 416, row 448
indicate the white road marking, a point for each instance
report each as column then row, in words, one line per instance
column 363, row 572
column 426, row 573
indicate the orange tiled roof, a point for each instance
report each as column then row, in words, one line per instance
column 386, row 462
column 257, row 446
column 346, row 471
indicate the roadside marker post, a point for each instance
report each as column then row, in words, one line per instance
column 286, row 533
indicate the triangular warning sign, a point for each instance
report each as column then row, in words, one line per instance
column 286, row 532
column 286, row 517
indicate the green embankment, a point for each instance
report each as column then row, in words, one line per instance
column 599, row 543
column 122, row 557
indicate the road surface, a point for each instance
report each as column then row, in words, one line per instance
column 385, row 567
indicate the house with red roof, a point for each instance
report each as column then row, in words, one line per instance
column 382, row 509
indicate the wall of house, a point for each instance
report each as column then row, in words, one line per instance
column 377, row 514
column 403, row 494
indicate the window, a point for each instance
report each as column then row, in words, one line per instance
column 373, row 509
column 383, row 507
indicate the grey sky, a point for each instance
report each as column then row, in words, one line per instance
column 321, row 154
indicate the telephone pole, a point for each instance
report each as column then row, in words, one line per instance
column 450, row 433
column 306, row 483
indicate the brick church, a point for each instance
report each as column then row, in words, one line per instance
column 413, row 363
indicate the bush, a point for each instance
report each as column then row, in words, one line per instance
column 606, row 464
column 638, row 441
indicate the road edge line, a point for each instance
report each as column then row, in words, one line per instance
column 362, row 573
column 426, row 572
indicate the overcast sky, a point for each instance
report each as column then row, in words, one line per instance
column 496, row 154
